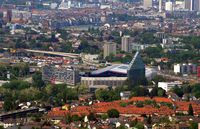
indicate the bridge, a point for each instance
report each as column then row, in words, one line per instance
column 63, row 54
column 18, row 113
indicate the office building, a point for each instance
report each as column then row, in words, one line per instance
column 58, row 75
column 108, row 49
column 167, row 86
column 126, row 43
column 147, row 4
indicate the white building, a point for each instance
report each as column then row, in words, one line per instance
column 169, row 6
column 185, row 68
column 168, row 85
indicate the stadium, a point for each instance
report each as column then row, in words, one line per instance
column 116, row 74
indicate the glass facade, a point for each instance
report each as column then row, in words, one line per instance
column 136, row 70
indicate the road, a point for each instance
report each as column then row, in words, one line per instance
column 170, row 76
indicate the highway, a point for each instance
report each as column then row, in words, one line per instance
column 63, row 54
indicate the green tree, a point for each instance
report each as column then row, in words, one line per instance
column 104, row 116
column 193, row 125
column 75, row 118
column 190, row 110
column 139, row 91
column 16, row 85
column 37, row 80
column 8, row 102
column 68, row 119
column 139, row 125
column 178, row 91
column 161, row 92
column 107, row 95
column 196, row 90
column 153, row 52
column 113, row 113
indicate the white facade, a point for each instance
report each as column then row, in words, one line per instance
column 168, row 85
column 169, row 6
column 185, row 68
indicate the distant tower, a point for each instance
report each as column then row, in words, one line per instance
column 160, row 6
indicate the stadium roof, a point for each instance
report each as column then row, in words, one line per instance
column 118, row 68
column 121, row 68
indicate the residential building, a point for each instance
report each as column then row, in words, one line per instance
column 126, row 43
column 185, row 68
column 109, row 48
column 58, row 75
column 138, row 47
column 147, row 4
column 167, row 86
column 125, row 95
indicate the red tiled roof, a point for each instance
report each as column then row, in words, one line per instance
column 103, row 107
